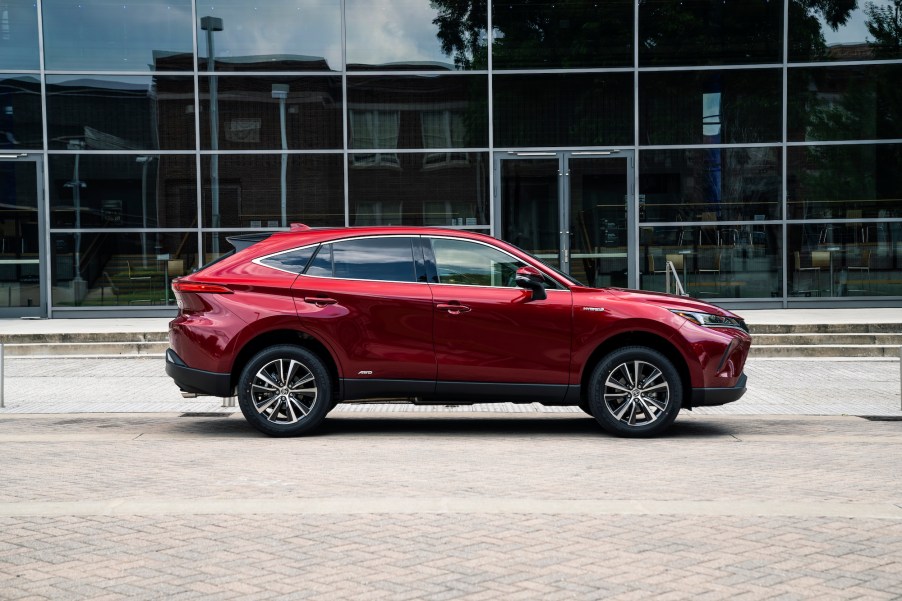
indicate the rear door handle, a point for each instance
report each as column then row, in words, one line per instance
column 320, row 301
column 453, row 308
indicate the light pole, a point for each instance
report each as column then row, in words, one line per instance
column 211, row 24
column 78, row 284
column 144, row 161
column 280, row 91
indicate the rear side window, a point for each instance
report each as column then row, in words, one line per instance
column 383, row 259
column 292, row 261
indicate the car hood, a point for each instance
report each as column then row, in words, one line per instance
column 670, row 301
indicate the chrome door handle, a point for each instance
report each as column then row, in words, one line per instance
column 452, row 308
column 320, row 301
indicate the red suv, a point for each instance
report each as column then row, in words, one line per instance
column 299, row 321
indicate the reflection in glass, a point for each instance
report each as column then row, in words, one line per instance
column 416, row 34
column 563, row 110
column 845, row 103
column 718, row 184
column 20, row 246
column 710, row 32
column 844, row 31
column 747, row 265
column 250, row 191
column 19, row 36
column 118, row 35
column 443, row 111
column 844, row 181
column 568, row 35
column 420, row 189
column 20, row 112
column 845, row 259
column 122, row 191
column 250, row 114
column 530, row 214
column 115, row 270
column 710, row 107
column 289, row 35
column 598, row 227
column 121, row 113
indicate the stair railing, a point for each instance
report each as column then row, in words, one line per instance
column 670, row 269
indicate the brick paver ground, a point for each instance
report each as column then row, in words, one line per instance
column 431, row 505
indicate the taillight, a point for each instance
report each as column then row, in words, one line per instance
column 200, row 287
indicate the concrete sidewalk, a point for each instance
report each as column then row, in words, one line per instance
column 140, row 384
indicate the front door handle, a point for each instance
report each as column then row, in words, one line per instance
column 453, row 308
column 320, row 301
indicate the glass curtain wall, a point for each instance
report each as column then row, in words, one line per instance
column 767, row 135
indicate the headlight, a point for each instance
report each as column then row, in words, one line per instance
column 710, row 321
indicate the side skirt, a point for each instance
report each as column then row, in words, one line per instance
column 452, row 393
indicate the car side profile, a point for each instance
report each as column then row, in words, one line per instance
column 296, row 322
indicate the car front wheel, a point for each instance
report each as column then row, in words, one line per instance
column 635, row 391
column 285, row 391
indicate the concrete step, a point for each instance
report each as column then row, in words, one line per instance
column 824, row 350
column 827, row 328
column 827, row 339
column 84, row 343
column 59, row 349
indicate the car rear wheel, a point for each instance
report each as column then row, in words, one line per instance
column 635, row 391
column 285, row 390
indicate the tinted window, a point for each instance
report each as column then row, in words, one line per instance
column 322, row 263
column 294, row 261
column 118, row 35
column 385, row 259
column 472, row 264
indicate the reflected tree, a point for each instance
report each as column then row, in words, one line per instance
column 462, row 31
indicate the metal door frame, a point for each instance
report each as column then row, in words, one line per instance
column 39, row 310
column 563, row 157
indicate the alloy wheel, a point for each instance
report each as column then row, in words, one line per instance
column 636, row 393
column 284, row 391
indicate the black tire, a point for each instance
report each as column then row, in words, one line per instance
column 585, row 406
column 635, row 392
column 285, row 390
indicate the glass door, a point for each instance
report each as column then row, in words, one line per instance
column 596, row 207
column 530, row 204
column 22, row 268
column 572, row 210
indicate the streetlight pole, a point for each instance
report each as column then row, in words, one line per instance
column 144, row 161
column 78, row 284
column 280, row 91
column 211, row 24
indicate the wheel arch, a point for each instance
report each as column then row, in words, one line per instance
column 287, row 336
column 638, row 338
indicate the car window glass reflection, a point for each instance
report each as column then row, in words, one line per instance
column 470, row 264
column 383, row 259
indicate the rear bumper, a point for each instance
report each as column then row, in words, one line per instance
column 710, row 397
column 196, row 380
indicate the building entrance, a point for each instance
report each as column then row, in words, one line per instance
column 22, row 265
column 571, row 209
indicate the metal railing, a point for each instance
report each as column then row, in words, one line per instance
column 670, row 271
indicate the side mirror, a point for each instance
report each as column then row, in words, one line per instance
column 533, row 280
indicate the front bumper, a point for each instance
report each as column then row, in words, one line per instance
column 196, row 380
column 710, row 397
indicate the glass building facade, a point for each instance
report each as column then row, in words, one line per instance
column 756, row 145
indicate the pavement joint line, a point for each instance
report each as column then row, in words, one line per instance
column 449, row 505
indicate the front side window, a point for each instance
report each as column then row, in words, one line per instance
column 388, row 259
column 472, row 264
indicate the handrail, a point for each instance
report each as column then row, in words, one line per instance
column 671, row 268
